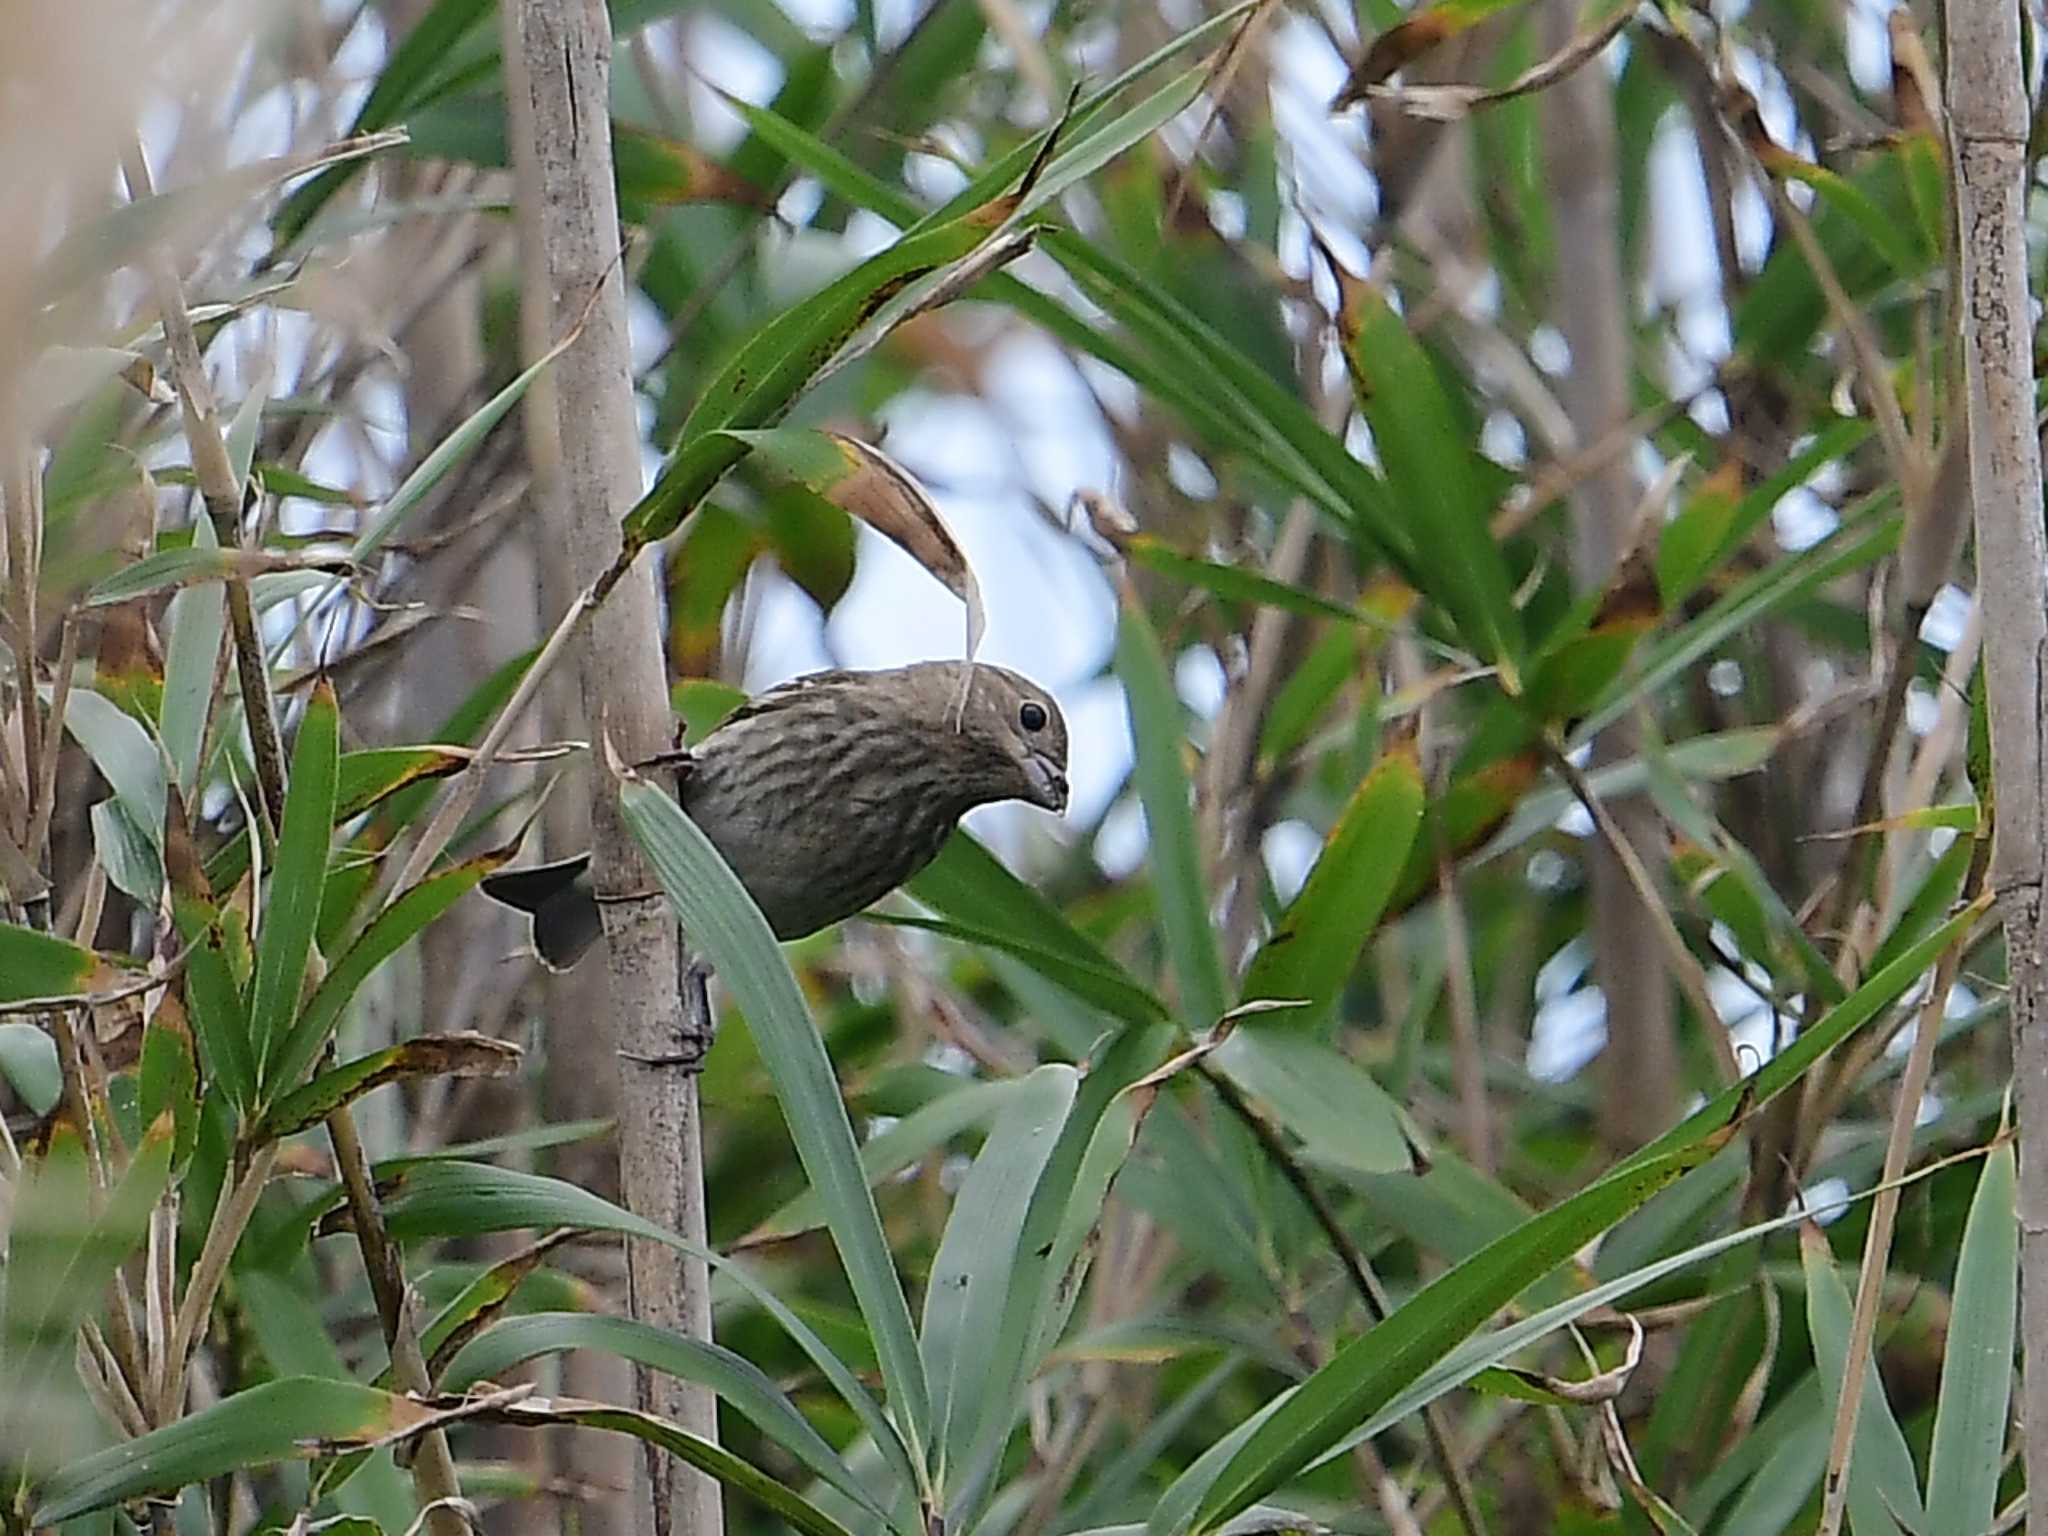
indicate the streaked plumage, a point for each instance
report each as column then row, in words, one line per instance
column 828, row 792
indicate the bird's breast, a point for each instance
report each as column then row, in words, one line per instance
column 817, row 835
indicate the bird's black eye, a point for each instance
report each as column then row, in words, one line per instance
column 1032, row 715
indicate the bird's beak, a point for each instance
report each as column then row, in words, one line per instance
column 1048, row 783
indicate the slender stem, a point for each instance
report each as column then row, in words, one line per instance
column 1363, row 1280
column 1877, row 1239
column 1692, row 977
column 433, row 1471
column 46, row 773
column 20, row 507
column 220, row 489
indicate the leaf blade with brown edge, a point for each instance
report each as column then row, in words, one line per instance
column 1316, row 943
column 866, row 483
column 393, row 927
column 761, row 381
column 462, row 1055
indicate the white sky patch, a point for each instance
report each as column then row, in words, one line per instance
column 1827, row 1201
column 1575, row 821
column 742, row 67
column 1922, row 708
column 1867, row 45
column 1120, row 846
column 1290, row 848
column 1802, row 519
column 1563, row 971
column 1566, row 1034
column 1946, row 617
column 1198, row 678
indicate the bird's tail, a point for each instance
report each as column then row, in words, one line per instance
column 566, row 921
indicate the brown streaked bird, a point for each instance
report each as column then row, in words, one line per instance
column 828, row 792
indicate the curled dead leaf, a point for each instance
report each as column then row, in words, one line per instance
column 889, row 499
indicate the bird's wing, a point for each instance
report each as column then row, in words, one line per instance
column 782, row 693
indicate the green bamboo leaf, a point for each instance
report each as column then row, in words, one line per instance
column 1053, row 1250
column 1893, row 238
column 1008, row 169
column 293, row 1337
column 1882, row 1480
column 704, row 1455
column 220, row 1017
column 421, row 1056
column 173, row 570
column 1976, row 1368
column 1377, row 1379
column 363, row 780
column 1343, row 1117
column 1231, row 398
column 176, row 218
column 1105, row 985
column 65, row 1240
column 28, row 1061
column 1860, row 541
column 1791, row 1446
column 969, row 1292
column 449, row 452
column 131, row 860
column 168, row 1083
column 1232, row 582
column 1312, row 950
column 195, row 624
column 292, row 905
column 1798, row 959
column 1716, row 522
column 970, row 886
column 240, row 438
column 390, row 931
column 1087, row 151
column 1885, row 987
column 126, row 757
column 284, row 1420
column 1490, row 1349
column 453, row 1198
column 923, row 1131
column 1431, row 466
column 1367, row 1373
column 38, row 964
column 1176, row 867
column 414, row 65
column 736, row 1380
column 727, row 927
column 777, row 363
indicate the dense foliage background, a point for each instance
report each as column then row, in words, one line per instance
column 1499, row 536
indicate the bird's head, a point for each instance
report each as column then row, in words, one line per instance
column 1016, row 729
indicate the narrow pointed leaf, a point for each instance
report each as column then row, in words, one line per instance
column 292, row 905
column 726, row 926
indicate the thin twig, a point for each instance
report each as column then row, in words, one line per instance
column 218, row 487
column 20, row 506
column 53, row 740
column 464, row 788
column 1363, row 1281
column 1877, row 1239
column 1468, row 1061
column 434, row 1469
column 231, row 1213
column 1692, row 978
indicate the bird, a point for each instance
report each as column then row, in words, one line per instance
column 826, row 793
